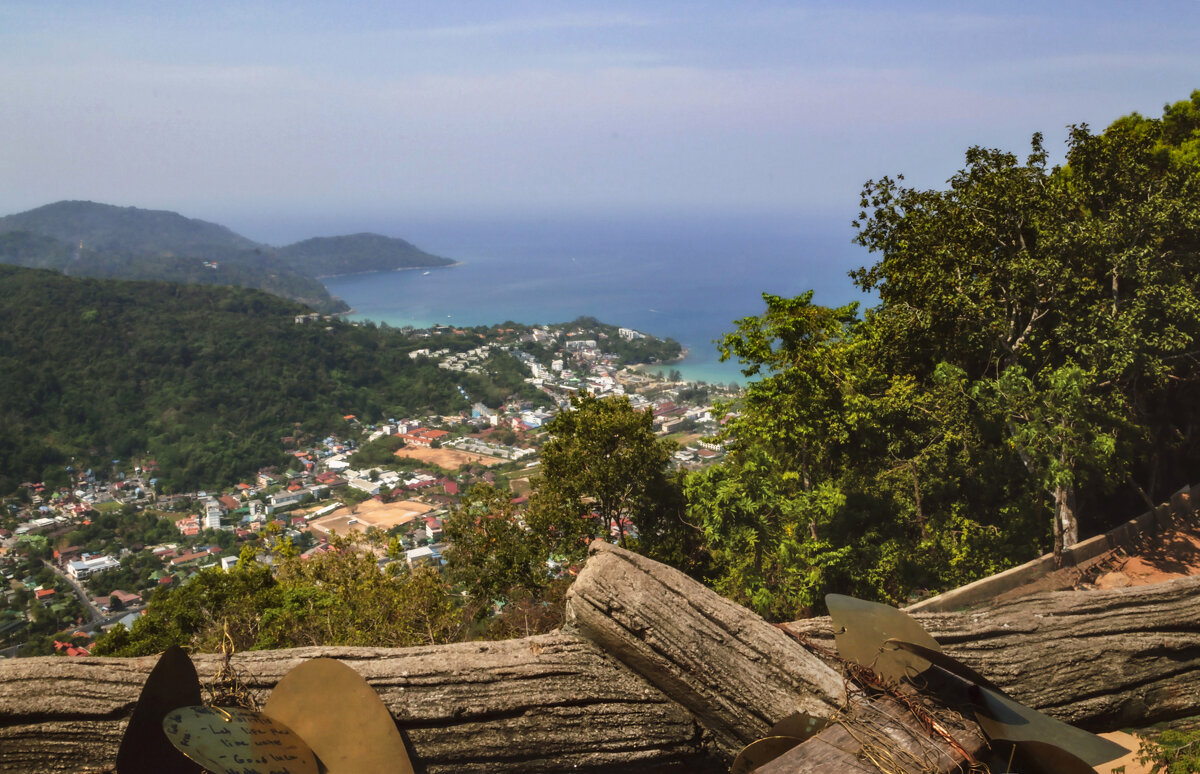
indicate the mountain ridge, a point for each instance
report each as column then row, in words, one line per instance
column 92, row 239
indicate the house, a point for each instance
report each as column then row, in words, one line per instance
column 285, row 500
column 43, row 594
column 365, row 485
column 64, row 555
column 125, row 599
column 422, row 555
column 189, row 558
column 330, row 479
column 424, row 437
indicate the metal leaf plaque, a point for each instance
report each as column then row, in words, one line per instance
column 341, row 718
column 762, row 752
column 1003, row 718
column 145, row 749
column 229, row 740
column 861, row 628
column 799, row 725
column 948, row 663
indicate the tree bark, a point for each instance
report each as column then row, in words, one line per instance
column 657, row 674
column 1101, row 660
column 884, row 724
column 1066, row 524
column 735, row 672
column 546, row 703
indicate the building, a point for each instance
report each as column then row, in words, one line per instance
column 422, row 555
column 85, row 568
column 424, row 437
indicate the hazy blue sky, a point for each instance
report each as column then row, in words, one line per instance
column 294, row 108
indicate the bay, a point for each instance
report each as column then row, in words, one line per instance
column 684, row 277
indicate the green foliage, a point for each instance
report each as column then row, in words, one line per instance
column 1032, row 353
column 1171, row 752
column 632, row 351
column 341, row 597
column 602, row 460
column 356, row 253
column 378, row 453
column 85, row 239
column 492, row 554
column 127, row 229
column 206, row 380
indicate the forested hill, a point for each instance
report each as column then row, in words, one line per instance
column 248, row 270
column 205, row 379
column 107, row 228
column 88, row 239
column 324, row 256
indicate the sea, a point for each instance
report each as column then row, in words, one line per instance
column 679, row 276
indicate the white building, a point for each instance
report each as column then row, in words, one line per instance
column 85, row 568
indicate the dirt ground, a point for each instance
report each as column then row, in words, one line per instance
column 1163, row 557
column 371, row 513
column 1174, row 554
column 449, row 459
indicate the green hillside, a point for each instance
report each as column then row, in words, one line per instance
column 325, row 256
column 205, row 379
column 264, row 272
column 107, row 228
column 87, row 239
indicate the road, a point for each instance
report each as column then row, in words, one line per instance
column 93, row 611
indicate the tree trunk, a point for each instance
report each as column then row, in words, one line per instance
column 847, row 747
column 546, row 703
column 658, row 674
column 735, row 672
column 1065, row 523
column 1101, row 660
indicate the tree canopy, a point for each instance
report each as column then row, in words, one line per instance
column 1029, row 373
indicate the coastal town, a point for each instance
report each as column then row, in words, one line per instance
column 81, row 558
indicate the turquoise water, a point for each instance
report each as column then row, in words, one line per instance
column 688, row 279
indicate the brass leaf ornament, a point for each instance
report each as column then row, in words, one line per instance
column 145, row 749
column 897, row 647
column 799, row 725
column 762, row 752
column 861, row 628
column 230, row 740
column 1001, row 717
column 341, row 718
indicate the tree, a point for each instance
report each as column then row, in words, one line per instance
column 603, row 459
column 491, row 553
column 341, row 597
column 1030, row 369
column 1074, row 287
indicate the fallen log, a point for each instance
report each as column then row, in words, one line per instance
column 731, row 669
column 656, row 673
column 882, row 732
column 1100, row 660
column 548, row 703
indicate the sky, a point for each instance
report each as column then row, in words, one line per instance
column 244, row 112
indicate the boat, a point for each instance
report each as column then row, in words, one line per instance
column 424, row 274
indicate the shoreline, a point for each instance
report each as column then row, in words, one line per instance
column 382, row 271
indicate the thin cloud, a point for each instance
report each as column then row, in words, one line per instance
column 510, row 27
